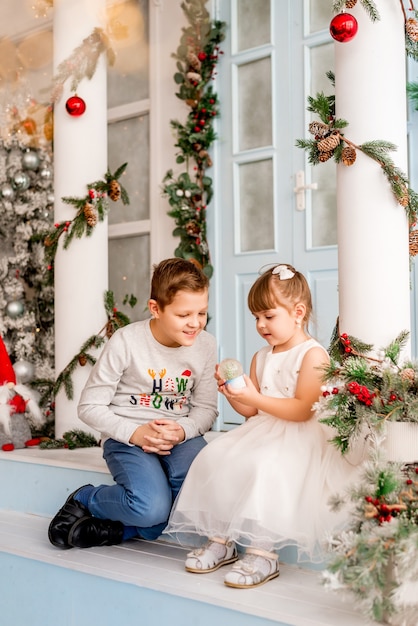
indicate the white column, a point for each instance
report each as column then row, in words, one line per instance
column 80, row 158
column 374, row 289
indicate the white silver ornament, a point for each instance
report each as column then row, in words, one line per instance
column 7, row 192
column 45, row 173
column 24, row 371
column 30, row 160
column 15, row 309
column 20, row 181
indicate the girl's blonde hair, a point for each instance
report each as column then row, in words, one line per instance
column 270, row 291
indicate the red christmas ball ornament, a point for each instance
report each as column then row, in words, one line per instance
column 75, row 106
column 343, row 27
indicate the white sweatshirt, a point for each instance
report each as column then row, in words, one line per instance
column 136, row 379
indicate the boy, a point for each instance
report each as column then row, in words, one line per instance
column 152, row 395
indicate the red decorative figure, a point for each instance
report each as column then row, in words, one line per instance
column 75, row 106
column 343, row 27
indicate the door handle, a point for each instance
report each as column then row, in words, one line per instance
column 300, row 189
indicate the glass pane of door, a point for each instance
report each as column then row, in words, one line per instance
column 256, row 206
column 253, row 23
column 128, row 76
column 320, row 15
column 129, row 140
column 254, row 97
column 129, row 273
column 323, row 211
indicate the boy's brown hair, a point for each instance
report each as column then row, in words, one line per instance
column 173, row 275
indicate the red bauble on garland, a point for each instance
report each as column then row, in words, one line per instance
column 75, row 106
column 343, row 27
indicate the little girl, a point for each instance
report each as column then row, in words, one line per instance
column 265, row 484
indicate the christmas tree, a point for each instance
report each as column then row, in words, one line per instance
column 26, row 288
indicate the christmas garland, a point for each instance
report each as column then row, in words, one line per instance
column 364, row 389
column 374, row 559
column 330, row 142
column 71, row 439
column 91, row 209
column 115, row 319
column 82, row 62
column 189, row 195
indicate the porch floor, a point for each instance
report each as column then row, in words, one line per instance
column 296, row 598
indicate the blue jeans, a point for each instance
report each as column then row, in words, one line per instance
column 146, row 485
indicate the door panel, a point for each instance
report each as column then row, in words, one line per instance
column 275, row 56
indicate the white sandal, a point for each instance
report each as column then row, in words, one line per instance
column 256, row 568
column 211, row 556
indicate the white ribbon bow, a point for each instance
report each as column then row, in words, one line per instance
column 283, row 271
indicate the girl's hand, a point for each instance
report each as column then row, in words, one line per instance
column 220, row 381
column 244, row 395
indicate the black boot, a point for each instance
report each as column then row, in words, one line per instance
column 61, row 524
column 90, row 531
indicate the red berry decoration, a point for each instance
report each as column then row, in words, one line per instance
column 75, row 106
column 343, row 27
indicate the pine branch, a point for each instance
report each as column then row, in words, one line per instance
column 82, row 62
column 370, row 9
column 115, row 320
column 71, row 439
column 323, row 106
column 382, row 534
column 329, row 142
column 91, row 208
column 412, row 91
column 368, row 5
column 394, row 349
column 411, row 41
column 363, row 390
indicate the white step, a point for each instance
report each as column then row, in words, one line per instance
column 136, row 582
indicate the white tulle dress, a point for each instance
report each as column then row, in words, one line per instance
column 267, row 482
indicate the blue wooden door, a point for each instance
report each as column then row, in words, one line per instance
column 277, row 52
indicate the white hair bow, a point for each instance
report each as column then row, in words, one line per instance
column 283, row 271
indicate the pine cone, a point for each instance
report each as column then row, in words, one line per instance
column 90, row 214
column 318, row 129
column 192, row 229
column 348, row 155
column 349, row 4
column 325, row 156
column 48, row 241
column 204, row 155
column 82, row 359
column 193, row 77
column 329, row 143
column 408, row 374
column 370, row 511
column 193, row 61
column 413, row 242
column 403, row 199
column 411, row 27
column 114, row 190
